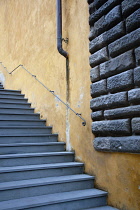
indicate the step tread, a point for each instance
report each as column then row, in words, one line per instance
column 51, row 199
column 41, row 166
column 7, row 108
column 27, row 120
column 36, row 154
column 25, row 127
column 102, row 208
column 9, row 90
column 17, row 103
column 29, row 135
column 6, row 93
column 32, row 114
column 33, row 144
column 44, row 181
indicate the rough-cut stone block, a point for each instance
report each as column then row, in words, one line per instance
column 97, row 115
column 98, row 57
column 128, row 6
column 117, row 65
column 129, row 144
column 107, row 37
column 94, row 74
column 99, row 3
column 125, row 43
column 111, row 127
column 91, row 8
column 130, row 111
column 133, row 21
column 92, row 33
column 103, row 10
column 134, row 95
column 107, row 101
column 107, row 21
column 120, row 81
column 136, row 125
column 137, row 55
column 98, row 88
column 137, row 75
column 90, row 1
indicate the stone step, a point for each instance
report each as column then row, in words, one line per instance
column 13, row 100
column 11, row 95
column 72, row 200
column 7, row 91
column 16, row 110
column 18, row 148
column 29, row 116
column 17, row 173
column 22, row 122
column 15, row 105
column 44, row 186
column 11, row 130
column 28, row 138
column 35, row 158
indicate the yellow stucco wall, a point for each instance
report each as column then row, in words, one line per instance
column 28, row 37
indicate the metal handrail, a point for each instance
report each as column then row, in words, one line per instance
column 51, row 91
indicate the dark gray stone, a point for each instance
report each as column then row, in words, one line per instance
column 107, row 37
column 98, row 57
column 113, row 17
column 91, row 34
column 111, row 127
column 99, row 3
column 136, row 125
column 134, row 95
column 133, row 21
column 94, row 74
column 97, row 115
column 107, row 21
column 120, row 81
column 130, row 111
column 107, row 101
column 129, row 144
column 98, row 88
column 103, row 10
column 137, row 75
column 125, row 43
column 90, row 1
column 137, row 55
column 128, row 6
column 117, row 65
column 91, row 8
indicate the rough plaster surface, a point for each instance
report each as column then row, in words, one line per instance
column 28, row 36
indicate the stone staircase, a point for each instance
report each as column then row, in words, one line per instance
column 35, row 170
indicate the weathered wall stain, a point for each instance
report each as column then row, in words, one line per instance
column 28, row 36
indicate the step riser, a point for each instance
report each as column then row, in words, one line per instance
column 21, row 123
column 40, row 173
column 30, row 149
column 19, row 139
column 11, row 96
column 19, row 117
column 6, row 100
column 35, row 160
column 16, row 111
column 45, row 189
column 15, row 131
column 12, row 105
column 73, row 205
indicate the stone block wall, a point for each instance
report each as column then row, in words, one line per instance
column 115, row 74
